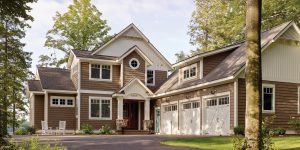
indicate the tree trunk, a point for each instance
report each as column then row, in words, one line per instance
column 253, row 76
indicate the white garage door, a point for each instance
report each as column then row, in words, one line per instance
column 190, row 118
column 169, row 119
column 216, row 116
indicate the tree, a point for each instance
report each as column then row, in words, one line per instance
column 253, row 74
column 180, row 56
column 81, row 27
column 225, row 25
column 47, row 61
column 14, row 62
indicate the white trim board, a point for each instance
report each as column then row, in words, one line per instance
column 97, row 92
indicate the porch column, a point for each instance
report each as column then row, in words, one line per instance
column 46, row 107
column 120, row 108
column 146, row 114
column 147, row 109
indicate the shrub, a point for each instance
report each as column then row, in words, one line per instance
column 87, row 129
column 33, row 144
column 239, row 130
column 31, row 130
column 279, row 131
column 266, row 134
column 239, row 142
column 21, row 131
column 295, row 124
column 106, row 129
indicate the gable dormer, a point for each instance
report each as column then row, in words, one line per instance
column 201, row 65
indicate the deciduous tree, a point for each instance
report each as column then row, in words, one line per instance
column 81, row 27
column 253, row 117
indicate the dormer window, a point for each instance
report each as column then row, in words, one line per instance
column 100, row 72
column 190, row 72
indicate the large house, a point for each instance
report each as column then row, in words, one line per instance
column 127, row 80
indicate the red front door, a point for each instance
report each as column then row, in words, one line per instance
column 130, row 112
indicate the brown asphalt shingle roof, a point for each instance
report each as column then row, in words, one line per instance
column 55, row 79
column 88, row 54
column 229, row 67
column 34, row 85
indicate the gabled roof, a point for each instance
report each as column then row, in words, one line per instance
column 229, row 67
column 55, row 79
column 143, row 37
column 135, row 80
column 209, row 53
column 88, row 54
column 138, row 50
column 34, row 85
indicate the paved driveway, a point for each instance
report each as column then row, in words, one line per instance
column 110, row 142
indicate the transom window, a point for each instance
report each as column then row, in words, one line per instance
column 191, row 105
column 100, row 108
column 58, row 101
column 150, row 77
column 268, row 98
column 134, row 63
column 102, row 72
column 170, row 108
column 190, row 72
column 224, row 100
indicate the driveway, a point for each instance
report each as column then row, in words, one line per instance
column 110, row 142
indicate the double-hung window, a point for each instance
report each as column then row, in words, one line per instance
column 268, row 98
column 100, row 72
column 59, row 101
column 190, row 72
column 100, row 108
column 150, row 77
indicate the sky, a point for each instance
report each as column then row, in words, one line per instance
column 164, row 22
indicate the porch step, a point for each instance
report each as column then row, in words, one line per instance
column 134, row 132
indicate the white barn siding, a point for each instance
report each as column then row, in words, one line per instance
column 130, row 39
column 280, row 60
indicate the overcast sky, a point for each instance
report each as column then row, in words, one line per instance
column 164, row 22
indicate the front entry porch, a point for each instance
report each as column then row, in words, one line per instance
column 134, row 106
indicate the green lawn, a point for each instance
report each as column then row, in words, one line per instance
column 225, row 143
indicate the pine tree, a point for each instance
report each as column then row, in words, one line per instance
column 14, row 62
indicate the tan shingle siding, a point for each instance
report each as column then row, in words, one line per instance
column 211, row 62
column 56, row 114
column 286, row 102
column 84, row 108
column 38, row 111
column 87, row 84
column 130, row 73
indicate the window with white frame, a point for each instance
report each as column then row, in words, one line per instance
column 100, row 108
column 268, row 98
column 150, row 77
column 102, row 72
column 59, row 101
column 190, row 72
column 134, row 63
